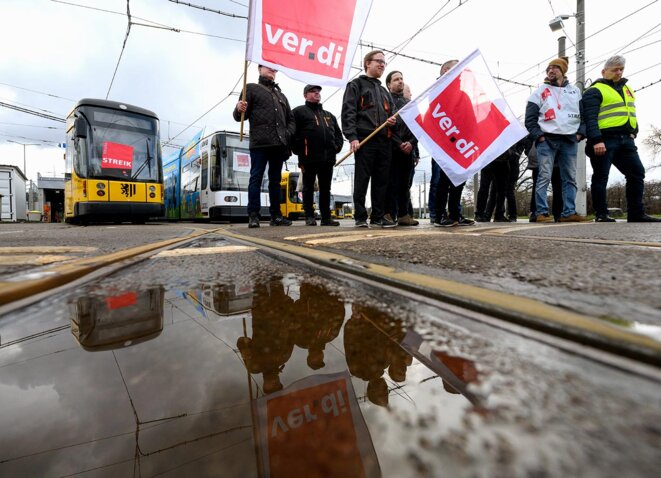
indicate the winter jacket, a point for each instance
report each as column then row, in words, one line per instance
column 555, row 111
column 403, row 131
column 365, row 107
column 271, row 119
column 592, row 99
column 318, row 137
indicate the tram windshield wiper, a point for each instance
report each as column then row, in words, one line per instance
column 146, row 163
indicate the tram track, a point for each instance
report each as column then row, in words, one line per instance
column 495, row 306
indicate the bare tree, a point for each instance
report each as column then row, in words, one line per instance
column 653, row 143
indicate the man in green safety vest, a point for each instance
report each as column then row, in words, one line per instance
column 610, row 116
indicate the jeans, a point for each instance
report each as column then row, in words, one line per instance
column 433, row 186
column 621, row 151
column 556, row 187
column 563, row 152
column 273, row 156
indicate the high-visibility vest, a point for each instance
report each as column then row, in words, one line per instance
column 614, row 111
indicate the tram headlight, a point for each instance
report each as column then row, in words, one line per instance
column 100, row 186
column 152, row 189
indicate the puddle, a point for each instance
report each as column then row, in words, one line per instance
column 274, row 375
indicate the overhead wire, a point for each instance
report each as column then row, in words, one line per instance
column 126, row 37
column 200, row 7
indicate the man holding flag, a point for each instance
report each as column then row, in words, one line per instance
column 366, row 106
column 271, row 129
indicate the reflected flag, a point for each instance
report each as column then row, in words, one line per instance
column 312, row 41
column 462, row 120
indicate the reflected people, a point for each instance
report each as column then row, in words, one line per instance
column 317, row 320
column 117, row 320
column 270, row 346
column 462, row 368
column 371, row 345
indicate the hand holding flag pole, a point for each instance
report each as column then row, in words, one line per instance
column 243, row 96
column 388, row 122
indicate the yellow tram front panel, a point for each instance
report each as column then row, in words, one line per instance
column 121, row 191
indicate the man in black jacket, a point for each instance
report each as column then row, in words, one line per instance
column 365, row 107
column 610, row 117
column 317, row 140
column 271, row 129
column 399, row 188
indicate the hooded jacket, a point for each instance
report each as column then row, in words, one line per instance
column 318, row 137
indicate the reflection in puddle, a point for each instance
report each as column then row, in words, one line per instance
column 323, row 373
column 119, row 320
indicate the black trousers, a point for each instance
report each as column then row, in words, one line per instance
column 556, row 188
column 448, row 196
column 486, row 180
column 372, row 163
column 324, row 173
column 398, row 195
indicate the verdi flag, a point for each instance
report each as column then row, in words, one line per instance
column 462, row 120
column 312, row 41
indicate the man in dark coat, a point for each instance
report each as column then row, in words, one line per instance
column 271, row 129
column 317, row 140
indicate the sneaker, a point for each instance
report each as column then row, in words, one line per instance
column 253, row 221
column 383, row 222
column 432, row 219
column 388, row 217
column 574, row 218
column 361, row 223
column 544, row 218
column 330, row 222
column 446, row 222
column 464, row 221
column 310, row 221
column 407, row 221
column 644, row 218
column 481, row 218
column 532, row 218
column 500, row 219
column 603, row 218
column 280, row 221
column 512, row 219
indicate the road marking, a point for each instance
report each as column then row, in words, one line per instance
column 31, row 260
column 45, row 249
column 199, row 251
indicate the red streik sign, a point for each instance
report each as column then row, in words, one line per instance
column 307, row 35
column 122, row 300
column 117, row 156
column 462, row 120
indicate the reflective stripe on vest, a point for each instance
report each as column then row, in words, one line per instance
column 614, row 111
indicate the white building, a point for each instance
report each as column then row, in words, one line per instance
column 12, row 188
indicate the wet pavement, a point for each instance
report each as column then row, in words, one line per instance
column 222, row 361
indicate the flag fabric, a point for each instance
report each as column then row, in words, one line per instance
column 463, row 119
column 312, row 41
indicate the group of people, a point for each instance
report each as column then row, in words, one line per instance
column 557, row 118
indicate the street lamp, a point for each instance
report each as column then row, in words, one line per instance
column 557, row 24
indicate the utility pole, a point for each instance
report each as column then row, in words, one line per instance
column 581, row 180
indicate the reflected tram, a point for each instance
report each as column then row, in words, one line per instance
column 113, row 168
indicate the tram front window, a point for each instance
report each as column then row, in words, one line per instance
column 122, row 145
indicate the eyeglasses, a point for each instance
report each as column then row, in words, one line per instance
column 381, row 62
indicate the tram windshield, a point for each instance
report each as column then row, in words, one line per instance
column 121, row 145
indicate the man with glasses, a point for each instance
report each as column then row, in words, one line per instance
column 365, row 107
column 271, row 129
column 554, row 120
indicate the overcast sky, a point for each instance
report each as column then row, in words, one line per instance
column 54, row 53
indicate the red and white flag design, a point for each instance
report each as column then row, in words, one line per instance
column 462, row 120
column 312, row 41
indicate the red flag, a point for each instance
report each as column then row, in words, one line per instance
column 312, row 41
